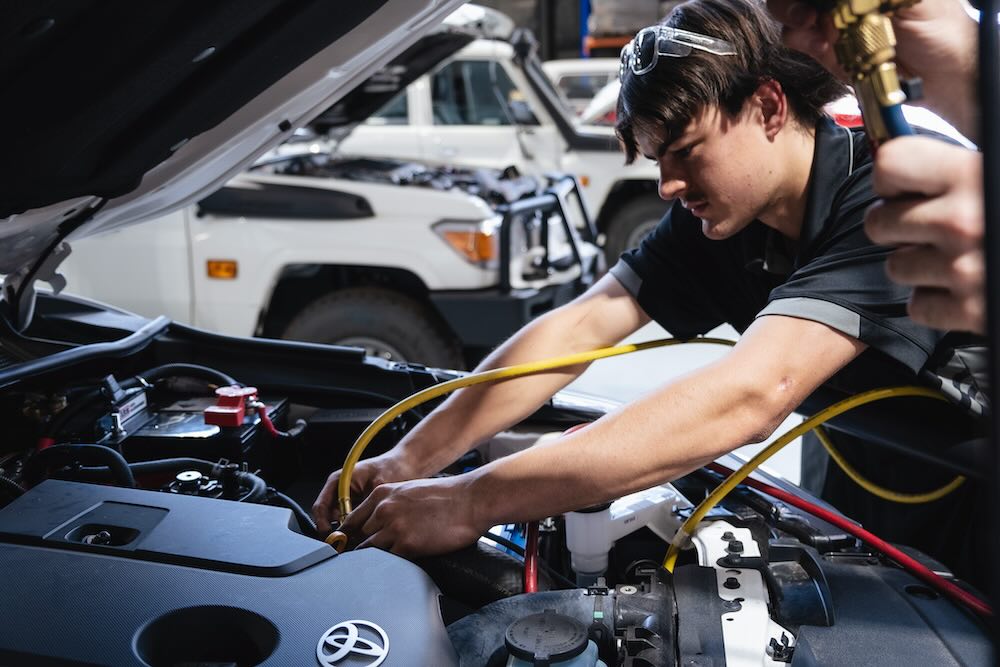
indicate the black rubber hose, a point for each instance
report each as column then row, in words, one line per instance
column 185, row 370
column 101, row 473
column 92, row 454
column 256, row 487
column 88, row 400
column 306, row 523
column 10, row 488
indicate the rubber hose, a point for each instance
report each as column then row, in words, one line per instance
column 305, row 521
column 895, row 121
column 185, row 370
column 105, row 456
column 705, row 506
column 483, row 377
column 9, row 486
column 257, row 488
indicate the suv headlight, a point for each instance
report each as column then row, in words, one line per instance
column 477, row 242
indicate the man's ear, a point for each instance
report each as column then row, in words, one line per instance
column 773, row 106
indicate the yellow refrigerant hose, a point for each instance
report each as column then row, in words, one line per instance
column 731, row 482
column 878, row 491
column 338, row 539
column 494, row 375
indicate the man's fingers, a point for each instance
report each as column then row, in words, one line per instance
column 917, row 265
column 355, row 522
column 325, row 509
column 922, row 166
column 919, row 221
column 942, row 309
column 926, row 266
column 380, row 540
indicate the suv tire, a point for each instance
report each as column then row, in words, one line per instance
column 387, row 324
column 635, row 219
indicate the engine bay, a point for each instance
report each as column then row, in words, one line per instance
column 152, row 512
column 493, row 185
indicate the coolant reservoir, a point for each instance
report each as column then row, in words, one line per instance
column 550, row 639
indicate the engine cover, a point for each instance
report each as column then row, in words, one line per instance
column 111, row 576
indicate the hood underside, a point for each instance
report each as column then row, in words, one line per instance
column 107, row 90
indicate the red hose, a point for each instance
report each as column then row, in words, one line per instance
column 920, row 571
column 531, row 559
column 268, row 424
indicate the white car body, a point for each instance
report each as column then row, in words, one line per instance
column 546, row 145
column 167, row 260
column 579, row 79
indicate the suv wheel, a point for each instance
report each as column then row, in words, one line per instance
column 627, row 229
column 386, row 324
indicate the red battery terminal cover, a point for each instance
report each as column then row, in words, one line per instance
column 231, row 406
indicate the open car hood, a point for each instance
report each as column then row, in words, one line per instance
column 119, row 111
column 465, row 24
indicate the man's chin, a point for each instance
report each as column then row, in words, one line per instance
column 715, row 231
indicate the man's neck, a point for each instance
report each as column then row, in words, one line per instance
column 787, row 209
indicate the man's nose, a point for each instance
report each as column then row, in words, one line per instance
column 672, row 181
column 671, row 187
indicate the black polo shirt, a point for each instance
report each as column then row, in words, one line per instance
column 834, row 275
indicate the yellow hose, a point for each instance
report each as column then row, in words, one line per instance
column 494, row 375
column 882, row 492
column 731, row 482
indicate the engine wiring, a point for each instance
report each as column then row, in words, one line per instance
column 914, row 567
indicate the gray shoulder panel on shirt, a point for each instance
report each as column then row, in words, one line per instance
column 629, row 279
column 834, row 316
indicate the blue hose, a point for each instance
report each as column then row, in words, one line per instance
column 895, row 122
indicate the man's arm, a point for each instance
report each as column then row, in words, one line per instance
column 602, row 316
column 738, row 400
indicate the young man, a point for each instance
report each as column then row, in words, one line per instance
column 765, row 233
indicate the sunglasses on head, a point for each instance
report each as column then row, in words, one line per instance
column 644, row 50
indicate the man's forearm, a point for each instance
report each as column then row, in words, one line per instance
column 737, row 400
column 658, row 438
column 472, row 415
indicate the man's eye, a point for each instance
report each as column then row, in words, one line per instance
column 683, row 153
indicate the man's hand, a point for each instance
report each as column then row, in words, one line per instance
column 933, row 208
column 935, row 41
column 393, row 466
column 424, row 517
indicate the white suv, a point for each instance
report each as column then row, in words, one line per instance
column 491, row 104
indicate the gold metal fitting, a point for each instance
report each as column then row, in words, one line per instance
column 337, row 540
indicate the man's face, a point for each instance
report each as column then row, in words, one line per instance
column 720, row 168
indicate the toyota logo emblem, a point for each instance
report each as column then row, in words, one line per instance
column 346, row 639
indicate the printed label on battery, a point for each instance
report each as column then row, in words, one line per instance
column 132, row 406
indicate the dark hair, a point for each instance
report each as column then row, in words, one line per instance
column 666, row 99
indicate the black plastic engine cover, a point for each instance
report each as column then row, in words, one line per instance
column 188, row 580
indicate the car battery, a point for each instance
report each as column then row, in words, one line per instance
column 178, row 429
column 332, row 432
